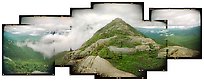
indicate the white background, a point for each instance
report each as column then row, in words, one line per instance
column 185, row 70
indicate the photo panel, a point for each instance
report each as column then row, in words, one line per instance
column 184, row 31
column 57, row 30
column 20, row 52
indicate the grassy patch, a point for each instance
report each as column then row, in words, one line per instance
column 134, row 63
column 26, row 66
column 122, row 41
column 192, row 42
column 59, row 60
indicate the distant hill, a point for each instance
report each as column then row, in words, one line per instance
column 190, row 38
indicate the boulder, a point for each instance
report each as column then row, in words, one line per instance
column 177, row 51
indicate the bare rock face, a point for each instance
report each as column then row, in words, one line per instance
column 142, row 48
column 126, row 50
column 96, row 64
column 177, row 51
column 142, row 40
column 129, row 50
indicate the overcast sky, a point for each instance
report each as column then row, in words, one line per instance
column 99, row 16
column 181, row 18
column 48, row 22
column 86, row 22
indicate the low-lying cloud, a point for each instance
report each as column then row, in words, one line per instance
column 83, row 24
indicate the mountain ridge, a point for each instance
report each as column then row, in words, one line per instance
column 118, row 44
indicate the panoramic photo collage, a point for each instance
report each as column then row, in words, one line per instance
column 108, row 40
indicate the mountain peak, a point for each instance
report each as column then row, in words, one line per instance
column 116, row 27
column 117, row 19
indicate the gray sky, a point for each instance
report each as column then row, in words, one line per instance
column 48, row 22
column 180, row 18
column 99, row 16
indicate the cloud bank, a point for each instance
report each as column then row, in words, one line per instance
column 84, row 23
